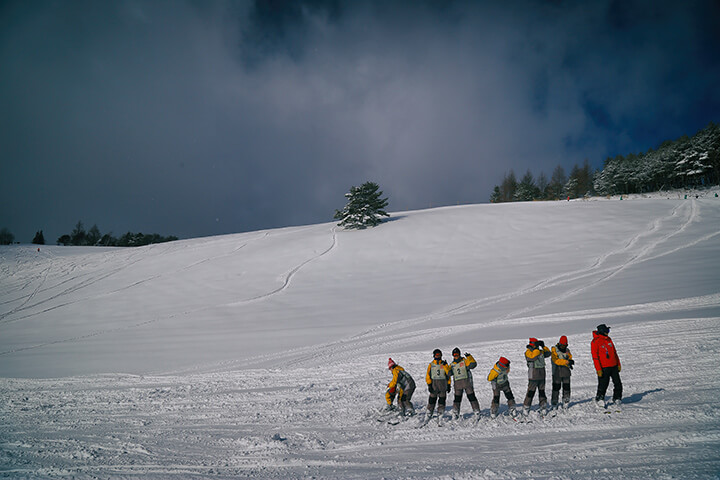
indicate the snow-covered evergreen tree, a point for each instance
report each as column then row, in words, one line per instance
column 527, row 190
column 557, row 183
column 496, row 196
column 685, row 162
column 364, row 208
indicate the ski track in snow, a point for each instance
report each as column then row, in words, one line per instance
column 289, row 276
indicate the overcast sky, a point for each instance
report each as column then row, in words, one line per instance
column 196, row 118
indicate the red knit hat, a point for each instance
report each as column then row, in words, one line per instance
column 504, row 362
column 563, row 340
column 533, row 340
column 391, row 363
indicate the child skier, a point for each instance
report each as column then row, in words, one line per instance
column 562, row 363
column 438, row 382
column 607, row 365
column 402, row 385
column 498, row 378
column 535, row 356
column 463, row 381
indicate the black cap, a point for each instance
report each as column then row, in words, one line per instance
column 603, row 329
column 456, row 350
column 437, row 351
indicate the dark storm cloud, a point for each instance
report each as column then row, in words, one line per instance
column 199, row 118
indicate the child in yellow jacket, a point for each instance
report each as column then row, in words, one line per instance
column 402, row 385
column 498, row 378
column 438, row 382
column 460, row 370
column 562, row 364
column 535, row 356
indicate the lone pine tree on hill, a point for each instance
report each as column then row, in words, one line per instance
column 364, row 207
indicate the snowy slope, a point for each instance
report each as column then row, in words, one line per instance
column 264, row 354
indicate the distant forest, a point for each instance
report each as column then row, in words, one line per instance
column 683, row 163
column 93, row 237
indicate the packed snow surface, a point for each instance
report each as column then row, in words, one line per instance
column 264, row 354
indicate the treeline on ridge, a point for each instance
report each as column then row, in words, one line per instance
column 93, row 237
column 683, row 163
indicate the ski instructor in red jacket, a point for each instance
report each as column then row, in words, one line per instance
column 607, row 365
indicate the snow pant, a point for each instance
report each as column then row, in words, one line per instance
column 604, row 382
column 404, row 402
column 438, row 395
column 532, row 386
column 557, row 383
column 497, row 389
column 465, row 385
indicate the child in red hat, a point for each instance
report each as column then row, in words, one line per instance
column 403, row 385
column 498, row 377
column 562, row 364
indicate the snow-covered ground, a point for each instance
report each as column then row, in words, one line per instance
column 263, row 354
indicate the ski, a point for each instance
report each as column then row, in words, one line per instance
column 525, row 418
column 424, row 421
column 392, row 416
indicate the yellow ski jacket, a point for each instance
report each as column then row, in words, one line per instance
column 442, row 366
column 399, row 382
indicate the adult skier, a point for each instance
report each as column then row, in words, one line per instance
column 463, row 381
column 401, row 385
column 498, row 378
column 438, row 382
column 607, row 365
column 562, row 364
column 535, row 356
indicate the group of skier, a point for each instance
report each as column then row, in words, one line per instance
column 441, row 377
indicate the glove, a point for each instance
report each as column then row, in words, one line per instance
column 448, row 388
column 571, row 362
column 467, row 354
column 540, row 344
column 599, row 372
column 430, row 389
column 619, row 368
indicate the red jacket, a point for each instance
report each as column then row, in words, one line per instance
column 603, row 352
